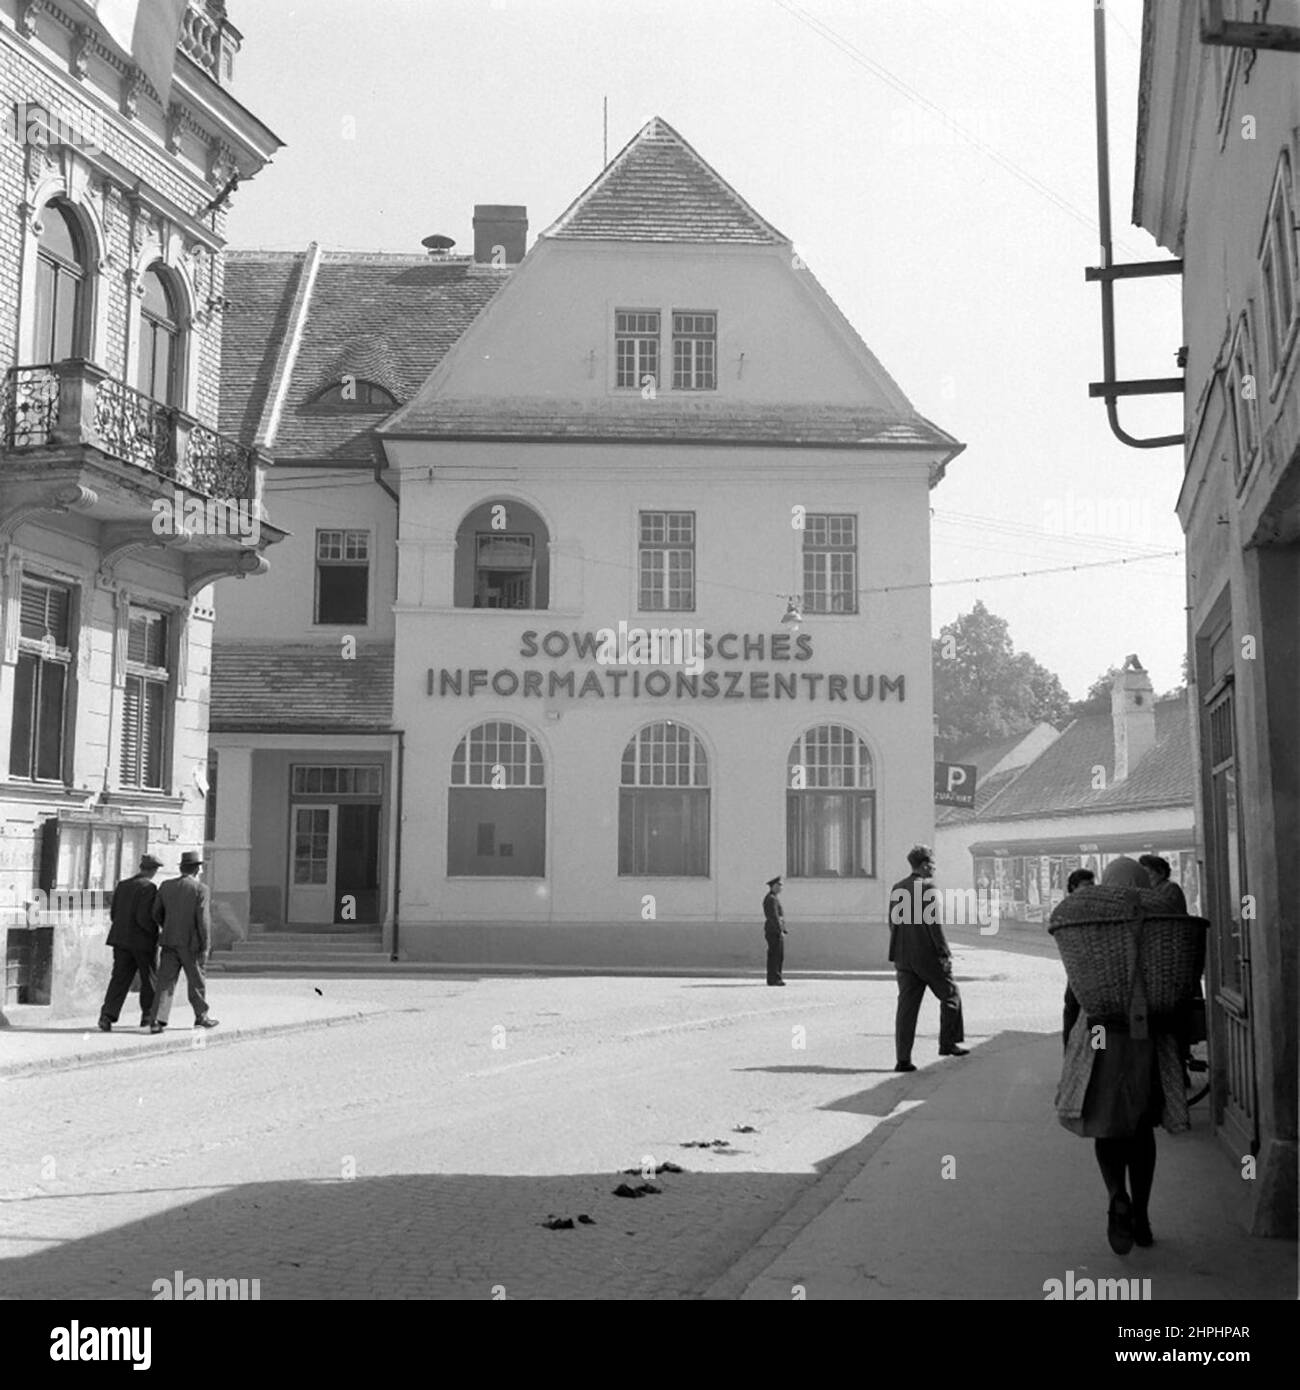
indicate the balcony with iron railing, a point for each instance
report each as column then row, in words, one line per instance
column 63, row 405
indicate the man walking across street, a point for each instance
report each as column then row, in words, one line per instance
column 181, row 910
column 922, row 960
column 134, row 939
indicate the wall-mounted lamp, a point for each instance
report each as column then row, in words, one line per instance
column 793, row 614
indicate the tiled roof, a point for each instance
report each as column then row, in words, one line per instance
column 983, row 753
column 1060, row 779
column 658, row 189
column 260, row 295
column 378, row 317
column 632, row 418
column 284, row 687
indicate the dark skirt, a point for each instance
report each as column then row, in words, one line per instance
column 1124, row 1091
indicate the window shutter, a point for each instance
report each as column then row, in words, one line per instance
column 45, row 611
column 151, row 734
column 146, row 642
column 131, row 743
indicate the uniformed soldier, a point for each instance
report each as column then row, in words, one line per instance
column 774, row 931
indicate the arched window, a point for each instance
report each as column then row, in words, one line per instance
column 663, row 804
column 160, row 338
column 496, row 805
column 830, row 817
column 352, row 391
column 503, row 558
column 60, row 287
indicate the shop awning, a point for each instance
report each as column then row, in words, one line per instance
column 1120, row 842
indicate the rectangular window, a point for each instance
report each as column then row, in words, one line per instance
column 145, row 700
column 830, row 563
column 831, row 834
column 695, row 352
column 504, row 568
column 1243, row 389
column 41, row 682
column 210, row 801
column 342, row 577
column 636, row 347
column 667, row 562
column 663, row 831
column 1278, row 271
column 361, row 780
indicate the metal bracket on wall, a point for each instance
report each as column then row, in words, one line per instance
column 1107, row 273
column 1238, row 33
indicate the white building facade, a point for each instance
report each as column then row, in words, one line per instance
column 661, row 425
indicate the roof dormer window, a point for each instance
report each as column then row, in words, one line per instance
column 356, row 392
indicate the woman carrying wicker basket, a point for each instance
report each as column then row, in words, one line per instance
column 1129, row 962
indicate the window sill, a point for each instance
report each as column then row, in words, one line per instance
column 131, row 796
column 45, row 791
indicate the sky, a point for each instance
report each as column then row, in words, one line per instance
column 934, row 163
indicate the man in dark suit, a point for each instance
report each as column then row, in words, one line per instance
column 181, row 909
column 774, row 931
column 922, row 960
column 134, row 939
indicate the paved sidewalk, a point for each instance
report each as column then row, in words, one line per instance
column 1025, row 1203
column 32, row 1042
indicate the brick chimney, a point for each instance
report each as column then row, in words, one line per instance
column 1132, row 717
column 500, row 224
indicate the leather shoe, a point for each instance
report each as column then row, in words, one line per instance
column 105, row 1026
column 1142, row 1232
column 954, row 1052
column 207, row 1021
column 157, row 1027
column 904, row 1066
column 1119, row 1225
column 774, row 983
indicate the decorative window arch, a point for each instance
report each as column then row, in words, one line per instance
column 160, row 354
column 830, row 805
column 356, row 392
column 503, row 557
column 62, row 289
column 496, row 804
column 664, row 806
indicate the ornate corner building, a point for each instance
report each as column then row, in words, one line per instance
column 120, row 501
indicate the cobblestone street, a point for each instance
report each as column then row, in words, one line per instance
column 417, row 1152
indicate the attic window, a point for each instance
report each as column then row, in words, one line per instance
column 355, row 391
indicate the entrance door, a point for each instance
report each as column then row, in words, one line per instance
column 1230, row 934
column 356, row 869
column 311, row 871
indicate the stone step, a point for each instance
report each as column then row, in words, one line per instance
column 308, row 945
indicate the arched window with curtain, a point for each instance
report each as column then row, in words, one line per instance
column 830, row 805
column 496, row 805
column 663, row 806
column 61, row 278
column 159, row 354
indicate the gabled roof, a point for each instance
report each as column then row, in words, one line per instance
column 381, row 317
column 1060, row 780
column 658, row 189
column 285, row 687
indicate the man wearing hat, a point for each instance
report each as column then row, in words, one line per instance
column 774, row 931
column 181, row 910
column 134, row 939
column 922, row 960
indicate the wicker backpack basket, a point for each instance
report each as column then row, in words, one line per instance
column 1105, row 934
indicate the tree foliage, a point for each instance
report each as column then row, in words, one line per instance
column 984, row 688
